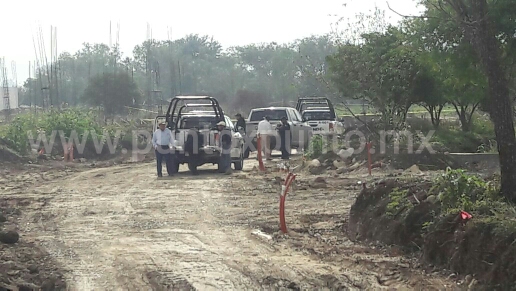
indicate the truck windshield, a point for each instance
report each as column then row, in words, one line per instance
column 274, row 114
column 317, row 115
column 202, row 122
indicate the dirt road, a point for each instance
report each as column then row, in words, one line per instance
column 120, row 228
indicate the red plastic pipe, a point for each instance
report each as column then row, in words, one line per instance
column 284, row 190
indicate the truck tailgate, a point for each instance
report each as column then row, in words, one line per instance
column 209, row 137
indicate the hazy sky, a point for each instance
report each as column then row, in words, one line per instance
column 230, row 22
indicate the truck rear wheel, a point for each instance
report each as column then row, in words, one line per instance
column 239, row 165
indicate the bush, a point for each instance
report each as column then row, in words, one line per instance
column 458, row 190
column 481, row 137
column 316, row 147
column 17, row 133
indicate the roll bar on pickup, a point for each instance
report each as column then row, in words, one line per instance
column 315, row 101
column 172, row 118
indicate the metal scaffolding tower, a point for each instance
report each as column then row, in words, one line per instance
column 6, row 100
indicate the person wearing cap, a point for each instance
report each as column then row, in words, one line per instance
column 163, row 141
column 285, row 137
column 240, row 121
column 225, row 145
column 194, row 142
column 264, row 133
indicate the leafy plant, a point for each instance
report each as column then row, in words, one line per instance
column 458, row 190
column 70, row 121
column 398, row 202
column 315, row 148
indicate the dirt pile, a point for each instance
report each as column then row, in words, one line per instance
column 9, row 155
column 23, row 265
column 403, row 214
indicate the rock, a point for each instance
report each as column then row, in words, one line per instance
column 432, row 199
column 13, row 272
column 413, row 170
column 339, row 164
column 9, row 237
column 33, row 269
column 473, row 284
column 320, row 180
column 318, row 183
column 3, row 218
column 343, row 154
column 315, row 167
column 315, row 163
column 82, row 160
column 468, row 279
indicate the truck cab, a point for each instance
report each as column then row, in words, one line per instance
column 319, row 113
column 204, row 112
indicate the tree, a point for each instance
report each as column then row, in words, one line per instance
column 382, row 69
column 447, row 58
column 480, row 28
column 112, row 91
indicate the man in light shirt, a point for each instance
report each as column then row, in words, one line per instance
column 264, row 133
column 163, row 141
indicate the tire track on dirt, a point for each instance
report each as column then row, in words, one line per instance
column 120, row 228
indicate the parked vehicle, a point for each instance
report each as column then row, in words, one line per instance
column 301, row 131
column 321, row 122
column 321, row 102
column 319, row 113
column 184, row 113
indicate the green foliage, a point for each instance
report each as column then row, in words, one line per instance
column 16, row 133
column 458, row 190
column 195, row 65
column 398, row 202
column 481, row 137
column 316, row 147
column 112, row 91
column 382, row 69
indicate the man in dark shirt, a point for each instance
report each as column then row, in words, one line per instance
column 240, row 121
column 194, row 142
column 225, row 144
column 285, row 137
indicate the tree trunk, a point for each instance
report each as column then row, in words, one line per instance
column 479, row 30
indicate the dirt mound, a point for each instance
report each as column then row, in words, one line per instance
column 9, row 155
column 397, row 213
column 23, row 265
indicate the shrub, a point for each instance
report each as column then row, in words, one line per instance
column 16, row 133
column 458, row 190
column 316, row 147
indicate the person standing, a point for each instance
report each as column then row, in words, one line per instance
column 285, row 138
column 163, row 142
column 225, row 145
column 194, row 142
column 264, row 133
column 240, row 121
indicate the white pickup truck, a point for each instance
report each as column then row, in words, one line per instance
column 183, row 114
column 321, row 122
column 319, row 113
